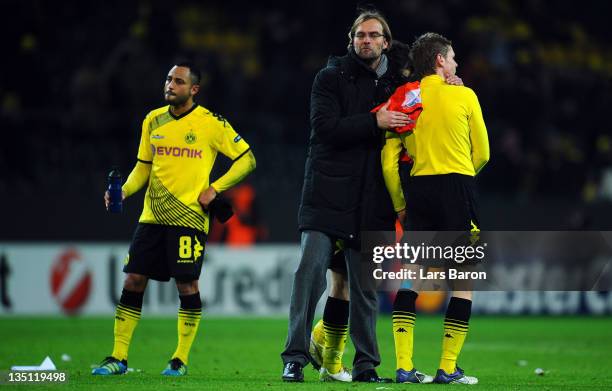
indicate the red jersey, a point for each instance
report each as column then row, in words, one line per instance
column 405, row 99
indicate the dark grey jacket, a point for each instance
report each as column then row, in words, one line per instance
column 344, row 191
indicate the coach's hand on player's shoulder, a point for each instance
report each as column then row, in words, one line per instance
column 454, row 80
column 401, row 216
column 107, row 198
column 386, row 119
column 207, row 196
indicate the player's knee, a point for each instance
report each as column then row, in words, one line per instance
column 135, row 282
column 467, row 295
column 339, row 286
column 187, row 287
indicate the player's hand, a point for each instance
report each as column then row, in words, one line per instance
column 454, row 80
column 207, row 196
column 401, row 216
column 386, row 119
column 107, row 198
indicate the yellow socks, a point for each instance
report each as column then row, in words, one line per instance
column 189, row 317
column 318, row 334
column 335, row 328
column 127, row 316
column 403, row 328
column 335, row 341
column 455, row 330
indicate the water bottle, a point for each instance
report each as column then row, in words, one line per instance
column 114, row 189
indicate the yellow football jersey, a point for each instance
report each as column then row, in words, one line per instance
column 182, row 151
column 450, row 134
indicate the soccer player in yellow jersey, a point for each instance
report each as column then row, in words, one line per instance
column 449, row 147
column 178, row 146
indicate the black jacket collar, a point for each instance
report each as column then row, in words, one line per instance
column 353, row 65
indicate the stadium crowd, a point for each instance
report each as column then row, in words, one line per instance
column 77, row 81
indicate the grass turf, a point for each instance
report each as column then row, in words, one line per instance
column 243, row 353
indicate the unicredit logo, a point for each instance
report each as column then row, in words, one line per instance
column 177, row 152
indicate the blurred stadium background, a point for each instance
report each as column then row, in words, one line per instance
column 77, row 81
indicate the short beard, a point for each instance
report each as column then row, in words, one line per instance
column 178, row 101
column 369, row 60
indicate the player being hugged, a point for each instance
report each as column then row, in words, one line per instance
column 178, row 147
column 449, row 146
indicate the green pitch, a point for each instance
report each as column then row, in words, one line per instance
column 243, row 353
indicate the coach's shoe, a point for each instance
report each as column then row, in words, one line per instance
column 414, row 376
column 111, row 366
column 456, row 377
column 316, row 351
column 293, row 372
column 175, row 368
column 343, row 375
column 370, row 376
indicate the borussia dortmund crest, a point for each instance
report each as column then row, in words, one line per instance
column 190, row 137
